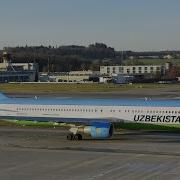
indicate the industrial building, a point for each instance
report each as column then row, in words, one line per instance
column 17, row 72
column 72, row 76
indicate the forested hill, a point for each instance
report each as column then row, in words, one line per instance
column 65, row 58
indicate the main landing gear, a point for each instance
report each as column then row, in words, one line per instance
column 74, row 137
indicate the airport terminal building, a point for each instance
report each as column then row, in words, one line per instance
column 17, row 72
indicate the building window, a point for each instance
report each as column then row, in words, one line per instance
column 114, row 70
column 120, row 69
column 134, row 70
column 140, row 69
column 145, row 69
column 151, row 69
column 108, row 70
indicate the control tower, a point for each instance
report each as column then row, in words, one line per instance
column 6, row 57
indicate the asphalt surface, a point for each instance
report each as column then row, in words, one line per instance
column 46, row 154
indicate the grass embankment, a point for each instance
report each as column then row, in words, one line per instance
column 119, row 126
column 23, row 123
column 55, row 88
column 138, row 126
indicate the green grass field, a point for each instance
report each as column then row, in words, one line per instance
column 51, row 87
column 138, row 126
column 24, row 123
column 119, row 126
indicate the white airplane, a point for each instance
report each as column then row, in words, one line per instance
column 95, row 115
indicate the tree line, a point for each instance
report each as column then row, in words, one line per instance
column 64, row 58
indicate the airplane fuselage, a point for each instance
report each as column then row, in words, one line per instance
column 74, row 110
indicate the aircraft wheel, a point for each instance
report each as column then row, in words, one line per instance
column 70, row 137
column 78, row 137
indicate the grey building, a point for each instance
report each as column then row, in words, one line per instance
column 17, row 72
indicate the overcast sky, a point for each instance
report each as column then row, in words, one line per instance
column 123, row 24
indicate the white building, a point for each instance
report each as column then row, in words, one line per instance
column 132, row 70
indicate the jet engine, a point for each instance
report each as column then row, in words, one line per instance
column 97, row 130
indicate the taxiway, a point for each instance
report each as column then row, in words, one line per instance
column 38, row 153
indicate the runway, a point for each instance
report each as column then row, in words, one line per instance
column 39, row 153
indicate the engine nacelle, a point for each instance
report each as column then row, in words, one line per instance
column 97, row 130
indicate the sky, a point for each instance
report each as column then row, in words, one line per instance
column 139, row 25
